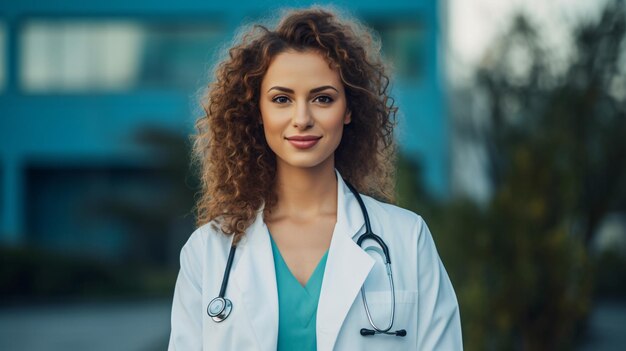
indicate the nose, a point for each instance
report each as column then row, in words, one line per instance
column 302, row 118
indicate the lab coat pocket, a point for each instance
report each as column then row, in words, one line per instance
column 379, row 304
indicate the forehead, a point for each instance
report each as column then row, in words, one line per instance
column 295, row 69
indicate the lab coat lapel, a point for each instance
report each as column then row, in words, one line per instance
column 255, row 277
column 347, row 267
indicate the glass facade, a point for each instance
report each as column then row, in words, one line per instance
column 85, row 86
column 403, row 46
column 3, row 56
column 112, row 55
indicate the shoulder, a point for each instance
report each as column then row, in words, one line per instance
column 394, row 217
column 397, row 225
column 206, row 237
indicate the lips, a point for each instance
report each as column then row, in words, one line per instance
column 303, row 141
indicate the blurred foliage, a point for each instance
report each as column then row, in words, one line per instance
column 610, row 274
column 160, row 225
column 31, row 275
column 556, row 144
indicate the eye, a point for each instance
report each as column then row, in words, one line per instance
column 280, row 99
column 324, row 99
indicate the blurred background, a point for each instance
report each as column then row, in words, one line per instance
column 512, row 131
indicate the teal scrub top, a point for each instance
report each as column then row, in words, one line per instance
column 297, row 305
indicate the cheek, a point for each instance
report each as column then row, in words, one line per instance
column 272, row 126
column 334, row 121
column 273, row 131
column 272, row 114
column 263, row 111
column 268, row 119
column 269, row 131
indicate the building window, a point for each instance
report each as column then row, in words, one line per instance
column 114, row 212
column 403, row 45
column 3, row 55
column 113, row 55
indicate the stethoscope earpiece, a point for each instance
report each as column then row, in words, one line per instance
column 367, row 332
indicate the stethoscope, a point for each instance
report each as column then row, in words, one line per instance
column 220, row 307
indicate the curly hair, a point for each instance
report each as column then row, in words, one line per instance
column 237, row 167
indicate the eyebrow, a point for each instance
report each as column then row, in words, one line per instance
column 312, row 91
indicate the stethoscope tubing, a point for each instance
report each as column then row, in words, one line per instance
column 371, row 236
column 220, row 307
column 229, row 263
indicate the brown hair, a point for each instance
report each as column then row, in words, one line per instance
column 236, row 164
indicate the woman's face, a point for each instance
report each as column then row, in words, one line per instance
column 303, row 108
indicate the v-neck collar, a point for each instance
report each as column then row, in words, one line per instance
column 347, row 267
column 315, row 277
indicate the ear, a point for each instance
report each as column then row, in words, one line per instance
column 348, row 117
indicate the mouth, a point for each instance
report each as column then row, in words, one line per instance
column 303, row 137
column 303, row 141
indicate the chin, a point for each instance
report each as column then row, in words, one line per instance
column 306, row 161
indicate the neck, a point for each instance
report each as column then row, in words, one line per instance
column 305, row 193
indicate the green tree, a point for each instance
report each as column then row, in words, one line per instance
column 556, row 146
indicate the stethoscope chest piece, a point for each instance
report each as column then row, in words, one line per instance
column 219, row 308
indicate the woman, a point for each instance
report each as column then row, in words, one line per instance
column 275, row 263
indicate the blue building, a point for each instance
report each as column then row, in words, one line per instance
column 80, row 79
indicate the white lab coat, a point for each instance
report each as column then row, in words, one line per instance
column 426, row 306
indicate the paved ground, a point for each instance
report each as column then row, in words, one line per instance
column 144, row 326
column 126, row 326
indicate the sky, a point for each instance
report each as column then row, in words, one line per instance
column 473, row 24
